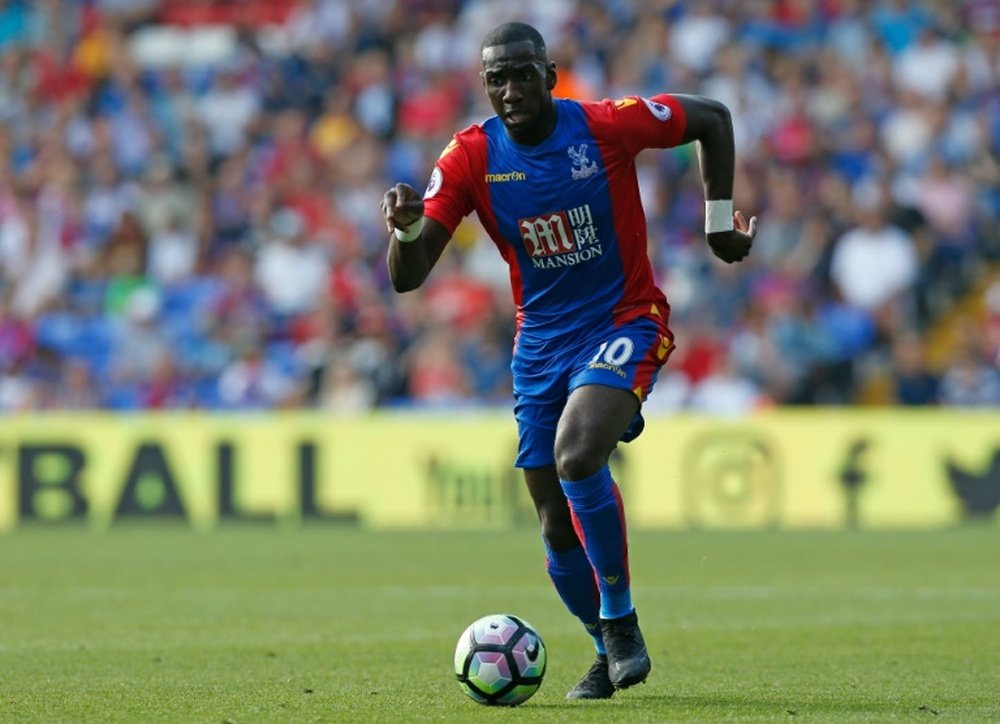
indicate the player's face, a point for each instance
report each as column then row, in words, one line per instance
column 519, row 87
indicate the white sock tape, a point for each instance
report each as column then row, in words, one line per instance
column 410, row 232
column 718, row 215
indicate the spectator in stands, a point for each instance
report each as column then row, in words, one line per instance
column 970, row 382
column 345, row 390
column 170, row 166
column 291, row 268
column 915, row 384
column 875, row 263
column 435, row 374
column 253, row 382
column 227, row 110
column 76, row 389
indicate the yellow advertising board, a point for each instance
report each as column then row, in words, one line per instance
column 777, row 469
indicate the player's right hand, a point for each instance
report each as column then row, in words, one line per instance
column 401, row 206
column 734, row 245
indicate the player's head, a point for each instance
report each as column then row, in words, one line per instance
column 518, row 78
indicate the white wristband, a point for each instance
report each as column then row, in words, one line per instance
column 718, row 215
column 410, row 232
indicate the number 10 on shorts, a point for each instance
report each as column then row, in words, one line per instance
column 615, row 353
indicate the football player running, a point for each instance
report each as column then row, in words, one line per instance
column 553, row 183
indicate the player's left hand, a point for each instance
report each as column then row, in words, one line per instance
column 734, row 245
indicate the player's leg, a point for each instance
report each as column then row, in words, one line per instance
column 566, row 561
column 540, row 389
column 591, row 425
column 571, row 573
column 614, row 372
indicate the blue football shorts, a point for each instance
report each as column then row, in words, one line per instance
column 626, row 357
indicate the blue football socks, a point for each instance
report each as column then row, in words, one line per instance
column 597, row 508
column 574, row 580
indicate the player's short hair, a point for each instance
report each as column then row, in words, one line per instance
column 515, row 32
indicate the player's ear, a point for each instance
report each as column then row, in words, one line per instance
column 550, row 76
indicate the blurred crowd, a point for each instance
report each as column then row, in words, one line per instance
column 189, row 200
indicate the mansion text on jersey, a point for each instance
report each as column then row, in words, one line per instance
column 571, row 259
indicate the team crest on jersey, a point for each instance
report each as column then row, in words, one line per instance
column 659, row 111
column 434, row 185
column 561, row 238
column 583, row 167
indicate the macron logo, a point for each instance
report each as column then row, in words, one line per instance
column 499, row 178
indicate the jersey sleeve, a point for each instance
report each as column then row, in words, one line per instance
column 656, row 122
column 448, row 198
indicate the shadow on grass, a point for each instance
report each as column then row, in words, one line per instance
column 743, row 704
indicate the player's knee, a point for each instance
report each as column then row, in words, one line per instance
column 576, row 460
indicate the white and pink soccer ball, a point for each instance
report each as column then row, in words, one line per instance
column 500, row 660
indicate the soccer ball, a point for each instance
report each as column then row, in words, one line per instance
column 500, row 660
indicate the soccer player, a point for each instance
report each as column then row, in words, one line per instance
column 553, row 182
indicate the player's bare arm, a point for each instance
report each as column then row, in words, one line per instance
column 415, row 242
column 710, row 125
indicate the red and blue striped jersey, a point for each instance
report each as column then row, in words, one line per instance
column 566, row 214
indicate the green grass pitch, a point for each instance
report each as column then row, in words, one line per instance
column 257, row 623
